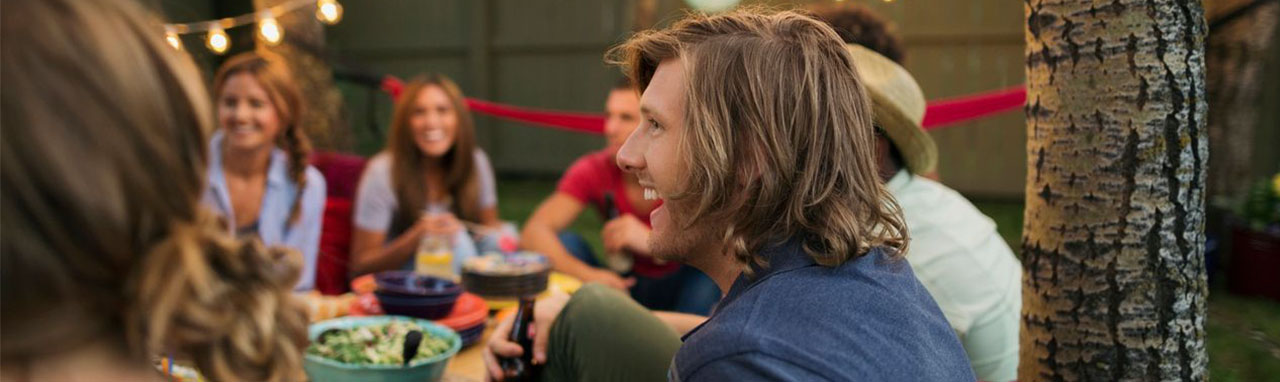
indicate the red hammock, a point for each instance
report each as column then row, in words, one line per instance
column 938, row 113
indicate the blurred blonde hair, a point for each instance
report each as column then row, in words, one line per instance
column 271, row 72
column 103, row 161
column 778, row 137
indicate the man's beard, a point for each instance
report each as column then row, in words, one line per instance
column 683, row 242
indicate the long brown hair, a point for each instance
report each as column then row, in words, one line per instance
column 409, row 163
column 274, row 76
column 778, row 134
column 104, row 155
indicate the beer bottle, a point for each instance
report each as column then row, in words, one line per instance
column 610, row 209
column 522, row 369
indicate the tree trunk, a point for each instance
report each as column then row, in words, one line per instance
column 303, row 47
column 1114, row 282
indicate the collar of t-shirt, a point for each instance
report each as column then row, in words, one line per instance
column 277, row 198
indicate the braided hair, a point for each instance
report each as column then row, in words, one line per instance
column 271, row 72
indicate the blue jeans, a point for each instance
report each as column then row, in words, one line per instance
column 579, row 248
column 686, row 290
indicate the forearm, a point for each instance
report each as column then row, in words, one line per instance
column 380, row 257
column 489, row 218
column 542, row 239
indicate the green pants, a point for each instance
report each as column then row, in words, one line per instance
column 604, row 335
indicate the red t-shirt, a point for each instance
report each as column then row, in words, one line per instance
column 588, row 179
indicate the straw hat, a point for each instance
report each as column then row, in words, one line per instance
column 898, row 105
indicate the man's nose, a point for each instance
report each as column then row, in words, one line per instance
column 631, row 155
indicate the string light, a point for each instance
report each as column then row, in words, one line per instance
column 328, row 11
column 217, row 40
column 269, row 29
column 172, row 38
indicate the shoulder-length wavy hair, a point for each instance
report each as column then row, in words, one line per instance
column 409, row 163
column 777, row 133
column 274, row 76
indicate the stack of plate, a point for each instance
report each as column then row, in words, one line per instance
column 409, row 294
column 467, row 318
column 506, row 276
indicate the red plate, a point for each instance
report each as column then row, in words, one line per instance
column 365, row 305
column 364, row 284
column 469, row 311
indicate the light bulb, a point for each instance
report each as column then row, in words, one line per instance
column 329, row 11
column 270, row 30
column 217, row 40
column 172, row 38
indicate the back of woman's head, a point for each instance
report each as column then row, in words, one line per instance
column 101, row 167
column 273, row 75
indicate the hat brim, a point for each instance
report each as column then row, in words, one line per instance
column 916, row 146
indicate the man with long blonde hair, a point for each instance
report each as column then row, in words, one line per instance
column 757, row 133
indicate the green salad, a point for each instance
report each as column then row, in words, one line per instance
column 376, row 344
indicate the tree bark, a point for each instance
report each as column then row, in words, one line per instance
column 1113, row 242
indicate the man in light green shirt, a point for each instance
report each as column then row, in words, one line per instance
column 967, row 268
column 955, row 250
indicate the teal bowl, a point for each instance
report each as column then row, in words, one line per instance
column 320, row 369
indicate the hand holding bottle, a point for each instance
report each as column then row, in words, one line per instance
column 500, row 344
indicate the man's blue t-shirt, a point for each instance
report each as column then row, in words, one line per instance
column 866, row 320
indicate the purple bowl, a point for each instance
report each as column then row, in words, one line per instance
column 471, row 336
column 429, row 312
column 409, row 284
column 472, row 340
column 392, row 298
column 478, row 328
column 431, row 308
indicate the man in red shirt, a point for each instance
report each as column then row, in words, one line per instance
column 654, row 284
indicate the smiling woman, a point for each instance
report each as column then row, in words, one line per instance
column 259, row 179
column 430, row 180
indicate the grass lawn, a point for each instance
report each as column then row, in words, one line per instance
column 1244, row 333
